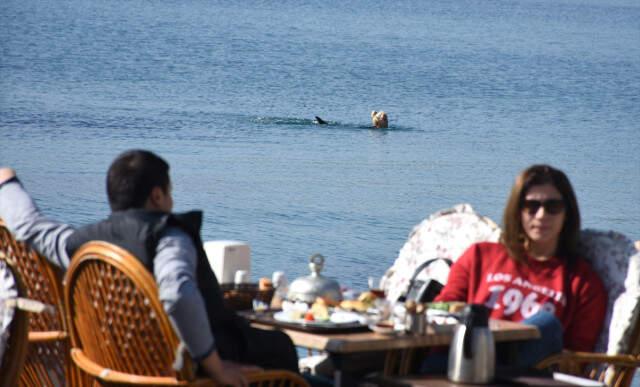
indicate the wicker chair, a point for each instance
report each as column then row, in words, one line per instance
column 15, row 353
column 617, row 354
column 444, row 234
column 119, row 330
column 48, row 361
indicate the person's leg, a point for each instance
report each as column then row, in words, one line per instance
column 270, row 349
column 531, row 352
column 435, row 361
column 230, row 344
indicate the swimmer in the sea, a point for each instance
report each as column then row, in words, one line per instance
column 379, row 119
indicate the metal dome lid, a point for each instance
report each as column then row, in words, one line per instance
column 307, row 289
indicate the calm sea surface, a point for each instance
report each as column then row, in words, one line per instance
column 227, row 91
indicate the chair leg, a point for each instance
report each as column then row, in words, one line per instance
column 390, row 362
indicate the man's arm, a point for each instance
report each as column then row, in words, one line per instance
column 174, row 271
column 224, row 372
column 26, row 222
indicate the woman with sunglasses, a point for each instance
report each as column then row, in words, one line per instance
column 534, row 275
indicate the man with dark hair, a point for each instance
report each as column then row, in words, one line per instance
column 169, row 245
column 132, row 176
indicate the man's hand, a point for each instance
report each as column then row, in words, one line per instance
column 244, row 368
column 227, row 373
column 6, row 174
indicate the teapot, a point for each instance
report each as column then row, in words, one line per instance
column 472, row 353
column 307, row 289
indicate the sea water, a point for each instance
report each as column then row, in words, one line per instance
column 227, row 92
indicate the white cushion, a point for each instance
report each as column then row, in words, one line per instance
column 445, row 234
column 614, row 257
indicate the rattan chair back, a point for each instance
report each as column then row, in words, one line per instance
column 613, row 370
column 48, row 360
column 15, row 352
column 116, row 318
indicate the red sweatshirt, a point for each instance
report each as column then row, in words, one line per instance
column 485, row 274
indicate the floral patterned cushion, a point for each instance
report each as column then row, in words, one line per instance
column 615, row 258
column 8, row 290
column 445, row 234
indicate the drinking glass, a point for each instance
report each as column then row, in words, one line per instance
column 376, row 286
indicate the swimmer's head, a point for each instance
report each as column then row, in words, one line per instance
column 379, row 119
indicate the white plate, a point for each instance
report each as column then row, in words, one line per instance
column 344, row 317
column 442, row 321
column 384, row 330
column 336, row 319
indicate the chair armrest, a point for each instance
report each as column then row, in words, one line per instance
column 29, row 305
column 570, row 357
column 109, row 376
column 45, row 336
column 276, row 378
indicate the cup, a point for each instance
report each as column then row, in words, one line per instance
column 281, row 287
column 278, row 279
column 375, row 286
column 241, row 277
column 416, row 323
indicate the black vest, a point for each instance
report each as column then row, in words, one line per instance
column 138, row 231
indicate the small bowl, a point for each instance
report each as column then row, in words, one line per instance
column 383, row 328
column 441, row 321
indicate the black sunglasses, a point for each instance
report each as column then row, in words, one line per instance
column 551, row 206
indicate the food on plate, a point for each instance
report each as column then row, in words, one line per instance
column 438, row 306
column 456, row 306
column 294, row 310
column 326, row 301
column 356, row 305
column 319, row 311
column 295, row 314
column 364, row 302
column 451, row 307
column 309, row 316
column 367, row 297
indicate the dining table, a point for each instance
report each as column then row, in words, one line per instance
column 509, row 379
column 398, row 349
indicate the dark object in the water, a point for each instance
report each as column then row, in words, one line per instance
column 320, row 121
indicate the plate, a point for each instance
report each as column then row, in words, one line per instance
column 336, row 319
column 455, row 316
column 388, row 330
column 442, row 321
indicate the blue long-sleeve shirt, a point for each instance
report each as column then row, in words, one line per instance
column 174, row 266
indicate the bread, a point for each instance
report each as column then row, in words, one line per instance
column 320, row 311
column 456, row 306
column 356, row 305
column 367, row 297
column 265, row 284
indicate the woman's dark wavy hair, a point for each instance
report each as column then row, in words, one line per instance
column 132, row 176
column 513, row 235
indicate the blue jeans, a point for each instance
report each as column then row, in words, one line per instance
column 531, row 352
column 528, row 352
